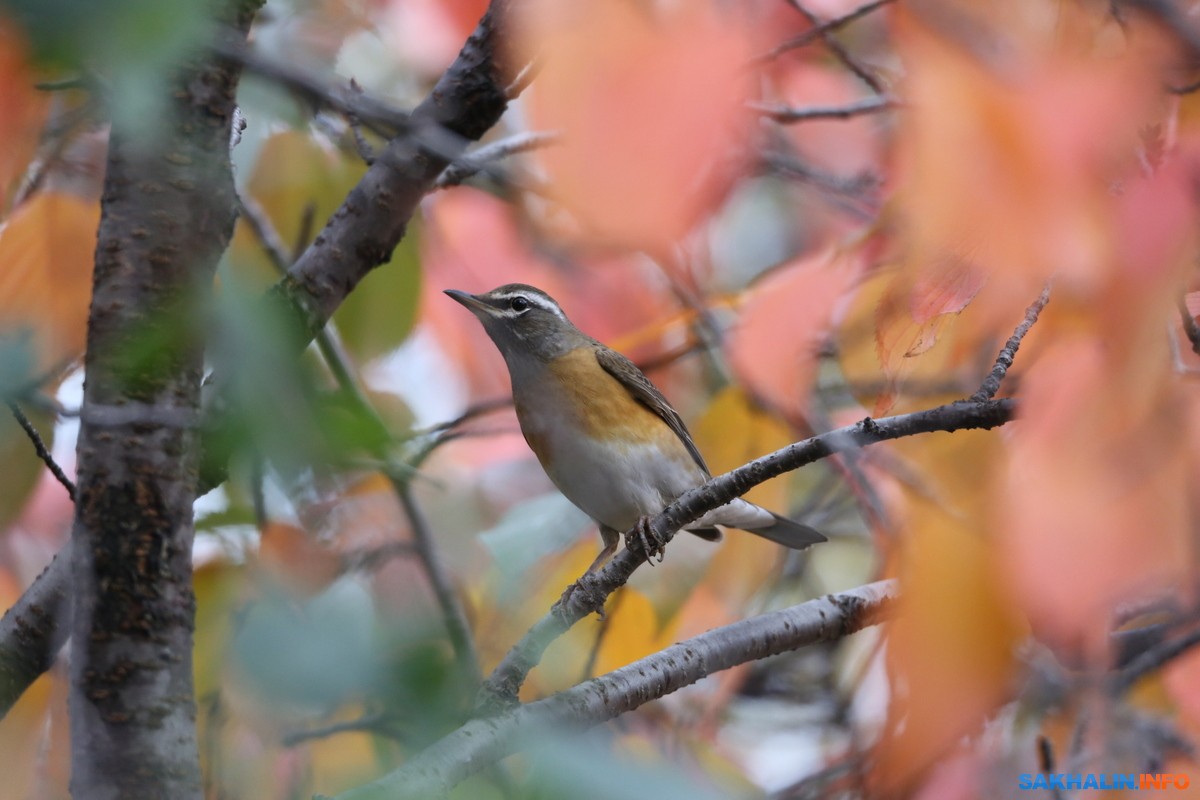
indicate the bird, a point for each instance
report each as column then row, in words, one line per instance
column 604, row 434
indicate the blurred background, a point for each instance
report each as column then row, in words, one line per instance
column 791, row 215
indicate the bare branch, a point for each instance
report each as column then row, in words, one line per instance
column 590, row 592
column 376, row 114
column 839, row 51
column 787, row 114
column 991, row 384
column 454, row 617
column 379, row 723
column 483, row 742
column 812, row 34
column 39, row 447
column 1190, row 326
column 1152, row 659
column 479, row 160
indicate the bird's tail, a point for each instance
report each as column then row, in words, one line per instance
column 746, row 516
column 788, row 533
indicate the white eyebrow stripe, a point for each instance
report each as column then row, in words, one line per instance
column 538, row 300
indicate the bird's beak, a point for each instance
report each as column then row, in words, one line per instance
column 472, row 302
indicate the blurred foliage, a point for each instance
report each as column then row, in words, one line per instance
column 130, row 45
column 775, row 279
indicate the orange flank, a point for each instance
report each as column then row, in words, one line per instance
column 608, row 410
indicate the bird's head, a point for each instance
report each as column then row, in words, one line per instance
column 523, row 321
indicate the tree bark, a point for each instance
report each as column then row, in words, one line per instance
column 167, row 215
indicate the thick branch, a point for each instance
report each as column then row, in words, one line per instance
column 466, row 102
column 482, row 742
column 590, row 592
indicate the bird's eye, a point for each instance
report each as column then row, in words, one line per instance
column 519, row 304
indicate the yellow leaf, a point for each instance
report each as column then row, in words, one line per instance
column 47, row 250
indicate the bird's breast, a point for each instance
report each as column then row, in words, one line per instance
column 609, row 454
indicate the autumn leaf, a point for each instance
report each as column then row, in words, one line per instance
column 1103, row 480
column 950, row 649
column 46, row 249
column 22, row 108
column 650, row 102
column 775, row 346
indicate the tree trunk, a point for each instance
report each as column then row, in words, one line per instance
column 168, row 214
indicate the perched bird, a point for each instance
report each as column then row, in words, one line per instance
column 603, row 432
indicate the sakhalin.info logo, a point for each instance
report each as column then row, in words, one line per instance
column 1090, row 780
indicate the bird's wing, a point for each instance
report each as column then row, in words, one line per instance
column 648, row 395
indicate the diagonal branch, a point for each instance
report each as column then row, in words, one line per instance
column 590, row 592
column 991, row 384
column 39, row 447
column 482, row 742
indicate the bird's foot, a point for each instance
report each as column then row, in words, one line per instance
column 649, row 542
column 592, row 598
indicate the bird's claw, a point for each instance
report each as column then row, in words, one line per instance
column 643, row 533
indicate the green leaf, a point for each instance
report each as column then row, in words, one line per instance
column 379, row 314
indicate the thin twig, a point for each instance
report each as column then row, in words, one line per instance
column 454, row 617
column 39, row 447
column 1151, row 660
column 260, row 224
column 991, row 384
column 1190, row 326
column 812, row 34
column 60, row 136
column 365, row 151
column 370, row 723
column 64, row 85
column 375, row 557
column 375, row 114
column 853, row 195
column 839, row 50
column 523, row 79
column 479, row 160
column 787, row 114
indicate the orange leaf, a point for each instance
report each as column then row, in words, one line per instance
column 47, row 249
column 22, row 108
column 651, row 104
column 1099, row 477
column 950, row 648
column 774, row 348
column 1008, row 162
